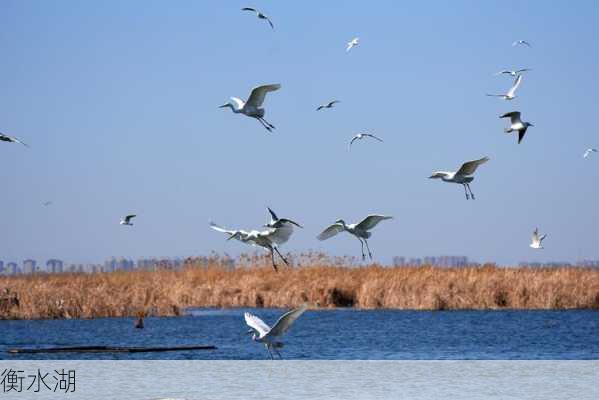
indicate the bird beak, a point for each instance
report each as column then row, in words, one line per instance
column 431, row 177
column 223, row 106
column 531, row 125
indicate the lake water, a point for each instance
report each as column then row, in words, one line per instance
column 328, row 334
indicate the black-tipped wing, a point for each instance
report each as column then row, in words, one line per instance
column 521, row 134
column 514, row 116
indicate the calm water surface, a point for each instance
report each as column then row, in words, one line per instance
column 338, row 334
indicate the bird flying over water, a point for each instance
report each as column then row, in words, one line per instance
column 11, row 139
column 253, row 107
column 259, row 15
column 359, row 230
column 352, row 43
column 262, row 333
column 462, row 175
column 330, row 104
column 588, row 152
column 127, row 220
column 537, row 239
column 361, row 136
column 516, row 124
column 512, row 73
column 520, row 43
column 511, row 94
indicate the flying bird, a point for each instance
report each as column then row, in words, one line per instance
column 537, row 239
column 259, row 15
column 520, row 43
column 253, row 107
column 127, row 220
column 46, row 203
column 513, row 73
column 268, row 239
column 330, row 104
column 511, row 94
column 461, row 176
column 262, row 333
column 276, row 222
column 11, row 139
column 352, row 43
column 359, row 230
column 361, row 136
column 516, row 124
column 588, row 152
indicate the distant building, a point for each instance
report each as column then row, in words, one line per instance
column 54, row 266
column 1, row 267
column 437, row 261
column 29, row 266
column 12, row 268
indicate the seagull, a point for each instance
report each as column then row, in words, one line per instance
column 269, row 238
column 259, row 15
column 11, row 139
column 588, row 152
column 513, row 73
column 461, row 176
column 520, row 43
column 276, row 222
column 127, row 220
column 361, row 136
column 352, row 43
column 359, row 230
column 330, row 104
column 252, row 108
column 262, row 333
column 516, row 124
column 536, row 239
column 510, row 95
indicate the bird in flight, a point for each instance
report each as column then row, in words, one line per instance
column 521, row 43
column 462, row 175
column 330, row 104
column 259, row 15
column 46, row 203
column 253, row 107
column 352, row 43
column 361, row 136
column 537, row 239
column 262, row 333
column 511, row 94
column 127, row 220
column 516, row 124
column 11, row 139
column 588, row 152
column 359, row 230
column 276, row 222
column 512, row 73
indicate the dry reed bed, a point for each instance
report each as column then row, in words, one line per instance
column 168, row 292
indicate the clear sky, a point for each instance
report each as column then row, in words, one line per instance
column 118, row 100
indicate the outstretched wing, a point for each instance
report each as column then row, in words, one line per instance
column 249, row 9
column 535, row 235
column 284, row 221
column 352, row 141
column 469, row 167
column 371, row 221
column 286, row 320
column 128, row 218
column 272, row 214
column 256, row 324
column 515, row 86
column 269, row 22
column 332, row 103
column 542, row 237
column 330, row 231
column 221, row 229
column 278, row 235
column 514, row 116
column 521, row 134
column 374, row 137
column 259, row 93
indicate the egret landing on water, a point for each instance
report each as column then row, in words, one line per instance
column 262, row 333
column 11, row 139
column 359, row 230
column 511, row 94
column 127, row 220
column 253, row 107
column 537, row 239
column 516, row 124
column 461, row 176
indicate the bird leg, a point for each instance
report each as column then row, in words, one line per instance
column 268, row 123
column 277, row 352
column 362, row 244
column 466, row 191
column 272, row 257
column 369, row 253
column 280, row 255
column 471, row 194
column 264, row 125
column 269, row 352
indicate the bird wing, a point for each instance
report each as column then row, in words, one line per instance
column 330, row 231
column 371, row 221
column 535, row 235
column 513, row 115
column 221, row 229
column 249, row 9
column 521, row 134
column 352, row 141
column 543, row 236
column 526, row 43
column 256, row 324
column 523, row 70
column 286, row 320
column 130, row 217
column 278, row 235
column 319, row 108
column 496, row 95
column 469, row 167
column 289, row 221
column 259, row 93
column 515, row 86
column 505, row 71
column 269, row 22
column 331, row 103
column 374, row 137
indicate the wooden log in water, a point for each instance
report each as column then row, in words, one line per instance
column 109, row 349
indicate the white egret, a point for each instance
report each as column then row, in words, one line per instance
column 361, row 136
column 259, row 15
column 127, row 220
column 330, row 104
column 359, row 230
column 513, row 73
column 516, row 124
column 276, row 222
column 11, row 139
column 461, row 176
column 537, row 239
column 511, row 94
column 520, row 43
column 262, row 333
column 253, row 107
column 352, row 43
column 588, row 152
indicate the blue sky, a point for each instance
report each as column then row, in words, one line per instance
column 118, row 101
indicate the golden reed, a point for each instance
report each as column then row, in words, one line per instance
column 320, row 282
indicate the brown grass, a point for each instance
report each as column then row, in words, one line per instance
column 168, row 292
